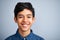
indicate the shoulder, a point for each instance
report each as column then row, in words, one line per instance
column 38, row 37
column 10, row 37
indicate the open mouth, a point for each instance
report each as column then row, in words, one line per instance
column 25, row 24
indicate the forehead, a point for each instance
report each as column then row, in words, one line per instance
column 25, row 12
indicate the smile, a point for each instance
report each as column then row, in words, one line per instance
column 25, row 24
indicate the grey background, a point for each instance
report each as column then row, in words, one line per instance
column 47, row 23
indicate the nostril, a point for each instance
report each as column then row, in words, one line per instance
column 25, row 19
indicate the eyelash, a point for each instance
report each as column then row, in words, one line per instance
column 29, row 17
column 22, row 17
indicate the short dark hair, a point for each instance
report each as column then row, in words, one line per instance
column 20, row 6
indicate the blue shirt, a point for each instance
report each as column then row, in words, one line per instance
column 31, row 36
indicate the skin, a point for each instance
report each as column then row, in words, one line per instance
column 24, row 20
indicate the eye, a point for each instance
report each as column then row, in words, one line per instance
column 20, row 16
column 29, row 16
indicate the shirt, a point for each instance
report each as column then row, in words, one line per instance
column 18, row 36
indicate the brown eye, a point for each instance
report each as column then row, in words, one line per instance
column 20, row 16
column 29, row 17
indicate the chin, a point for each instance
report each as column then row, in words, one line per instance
column 24, row 30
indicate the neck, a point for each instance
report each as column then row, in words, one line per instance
column 24, row 33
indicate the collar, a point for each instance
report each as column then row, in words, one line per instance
column 27, row 37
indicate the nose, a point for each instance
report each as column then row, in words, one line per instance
column 25, row 19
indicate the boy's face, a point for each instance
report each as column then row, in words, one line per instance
column 24, row 20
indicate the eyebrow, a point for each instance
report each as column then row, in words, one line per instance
column 20, row 15
column 27, row 15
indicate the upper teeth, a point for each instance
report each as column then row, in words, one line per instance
column 24, row 25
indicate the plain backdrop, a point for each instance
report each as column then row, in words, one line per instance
column 47, row 22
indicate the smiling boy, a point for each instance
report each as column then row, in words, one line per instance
column 24, row 16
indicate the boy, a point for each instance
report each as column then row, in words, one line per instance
column 24, row 16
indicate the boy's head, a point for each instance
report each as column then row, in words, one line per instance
column 24, row 15
column 21, row 6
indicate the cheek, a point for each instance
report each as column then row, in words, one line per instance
column 31, row 21
column 19, row 20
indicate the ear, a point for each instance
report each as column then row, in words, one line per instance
column 15, row 19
